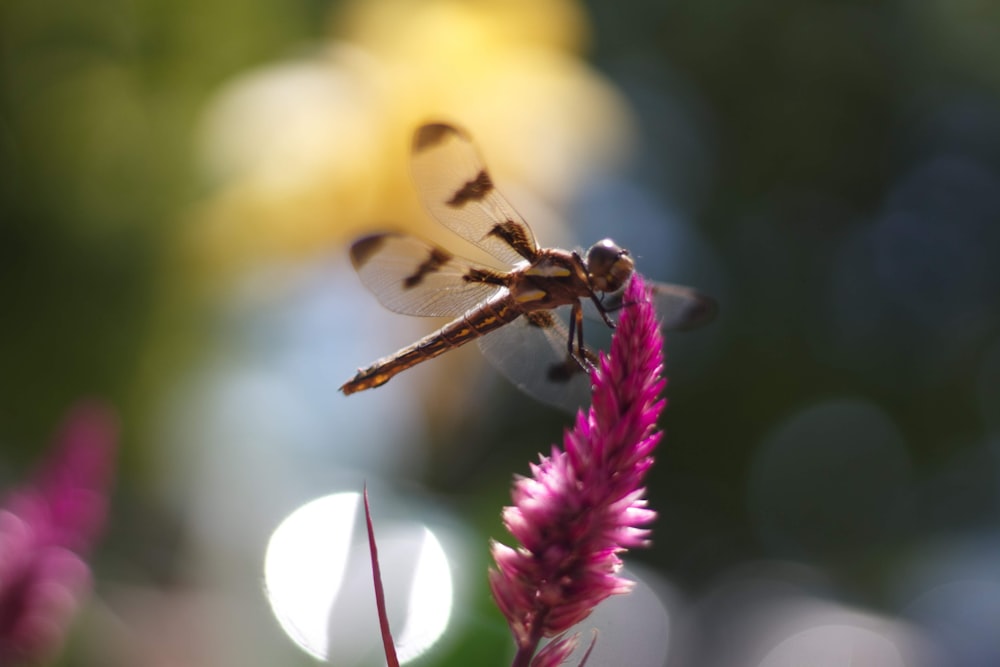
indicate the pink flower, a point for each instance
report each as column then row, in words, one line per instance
column 584, row 505
column 46, row 529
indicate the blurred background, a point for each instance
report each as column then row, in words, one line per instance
column 180, row 181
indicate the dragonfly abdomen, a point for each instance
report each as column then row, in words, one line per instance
column 458, row 332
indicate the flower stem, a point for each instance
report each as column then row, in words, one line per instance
column 527, row 649
column 524, row 655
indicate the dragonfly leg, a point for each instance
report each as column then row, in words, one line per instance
column 603, row 310
column 578, row 352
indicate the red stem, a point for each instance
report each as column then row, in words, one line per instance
column 527, row 651
column 524, row 655
column 383, row 619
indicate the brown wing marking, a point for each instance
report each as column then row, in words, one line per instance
column 456, row 188
column 543, row 319
column 517, row 237
column 531, row 353
column 481, row 275
column 363, row 249
column 438, row 258
column 413, row 277
column 432, row 134
column 474, row 190
column 568, row 369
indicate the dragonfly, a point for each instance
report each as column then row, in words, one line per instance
column 512, row 314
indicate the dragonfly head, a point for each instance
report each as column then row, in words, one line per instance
column 609, row 266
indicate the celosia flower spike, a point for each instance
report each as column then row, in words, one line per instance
column 584, row 504
column 47, row 527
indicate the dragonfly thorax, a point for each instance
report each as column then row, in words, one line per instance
column 609, row 266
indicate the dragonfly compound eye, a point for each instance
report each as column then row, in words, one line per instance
column 609, row 265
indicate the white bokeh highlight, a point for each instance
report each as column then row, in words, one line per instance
column 318, row 580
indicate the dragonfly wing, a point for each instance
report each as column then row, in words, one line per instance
column 457, row 189
column 679, row 308
column 413, row 277
column 532, row 353
column 682, row 308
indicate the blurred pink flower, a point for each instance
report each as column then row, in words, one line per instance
column 584, row 504
column 47, row 526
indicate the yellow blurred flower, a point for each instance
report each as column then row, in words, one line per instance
column 307, row 153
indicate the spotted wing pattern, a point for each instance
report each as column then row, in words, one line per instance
column 531, row 352
column 457, row 190
column 412, row 277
